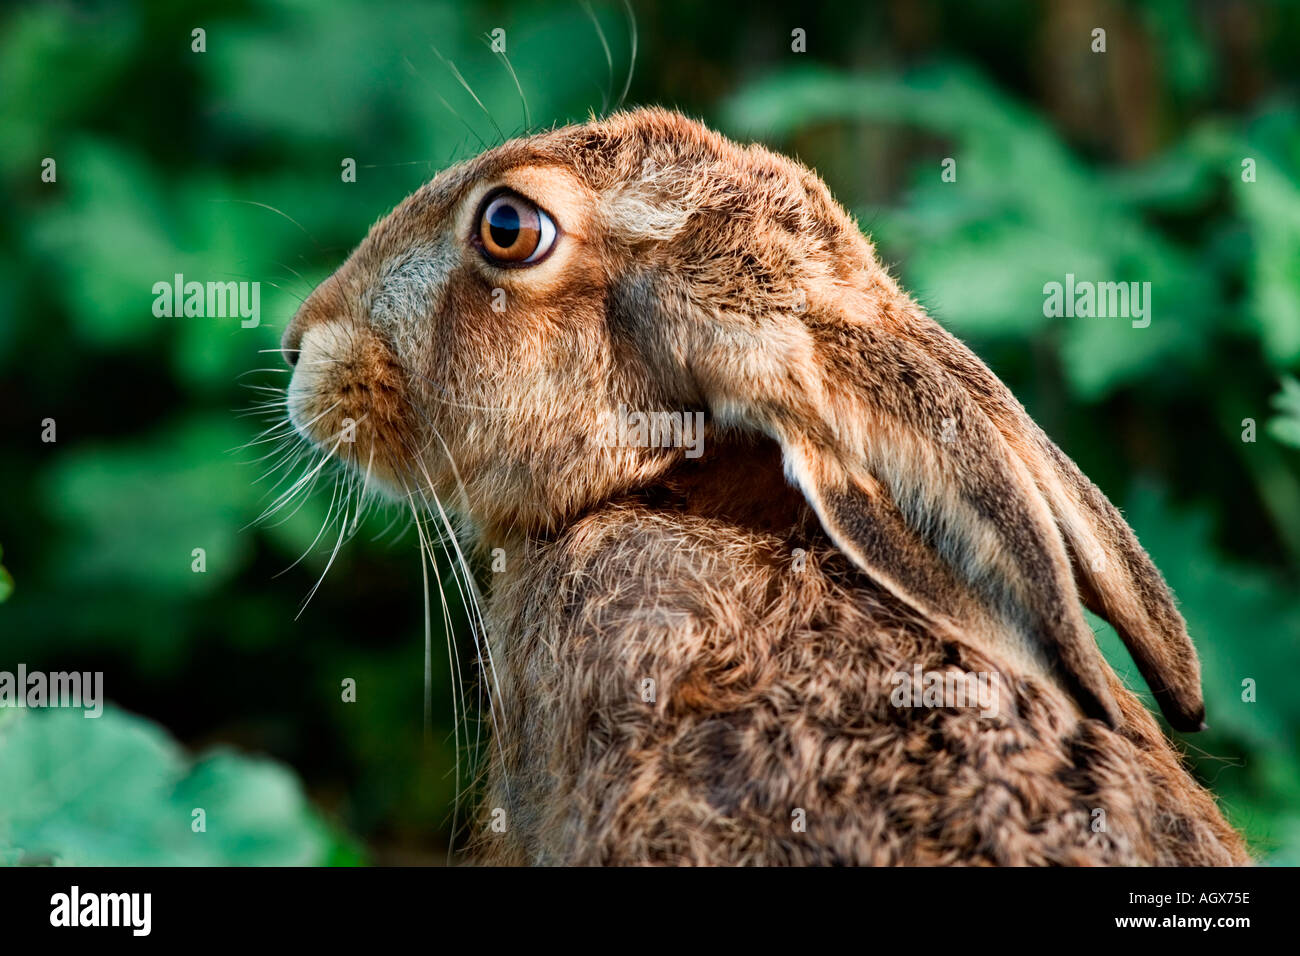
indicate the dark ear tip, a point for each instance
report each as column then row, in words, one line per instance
column 1188, row 723
column 1188, row 720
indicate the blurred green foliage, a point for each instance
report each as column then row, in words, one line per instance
column 226, row 164
column 6, row 580
column 126, row 796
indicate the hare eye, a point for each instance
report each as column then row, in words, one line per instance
column 514, row 230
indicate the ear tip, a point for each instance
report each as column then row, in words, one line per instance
column 1188, row 723
column 1187, row 717
column 1184, row 721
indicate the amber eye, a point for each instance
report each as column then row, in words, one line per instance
column 514, row 230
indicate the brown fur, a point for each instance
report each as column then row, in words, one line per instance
column 936, row 526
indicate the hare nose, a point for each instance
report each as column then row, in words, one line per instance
column 325, row 302
column 291, row 341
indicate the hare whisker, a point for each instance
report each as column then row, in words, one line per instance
column 329, row 564
column 274, row 452
column 398, row 516
column 528, row 118
column 631, row 63
column 278, row 212
column 324, row 526
column 301, row 481
column 468, row 89
column 451, row 109
column 304, row 498
column 609, row 57
column 290, row 466
column 478, row 626
column 427, row 558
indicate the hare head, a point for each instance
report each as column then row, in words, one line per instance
column 482, row 339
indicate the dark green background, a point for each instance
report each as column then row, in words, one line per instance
column 1124, row 165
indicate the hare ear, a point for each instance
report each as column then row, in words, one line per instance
column 1115, row 577
column 913, row 482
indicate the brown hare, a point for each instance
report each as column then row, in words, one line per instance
column 746, row 650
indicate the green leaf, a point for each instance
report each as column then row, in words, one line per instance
column 1271, row 206
column 1285, row 426
column 117, row 790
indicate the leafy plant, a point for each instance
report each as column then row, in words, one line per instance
column 1285, row 426
column 6, row 580
column 117, row 790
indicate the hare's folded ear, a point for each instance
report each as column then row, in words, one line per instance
column 1114, row 576
column 913, row 482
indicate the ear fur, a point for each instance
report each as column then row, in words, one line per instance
column 912, row 481
column 1115, row 577
column 931, row 477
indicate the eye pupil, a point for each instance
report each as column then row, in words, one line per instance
column 503, row 223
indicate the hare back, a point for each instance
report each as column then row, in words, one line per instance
column 686, row 689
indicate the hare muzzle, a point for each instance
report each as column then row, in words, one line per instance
column 346, row 397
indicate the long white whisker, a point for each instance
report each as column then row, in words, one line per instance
column 468, row 89
column 631, row 63
column 477, row 627
column 450, row 109
column 609, row 57
column 329, row 513
column 528, row 118
column 249, row 202
column 329, row 564
column 298, row 484
column 427, row 558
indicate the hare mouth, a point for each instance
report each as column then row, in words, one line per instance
column 347, row 398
